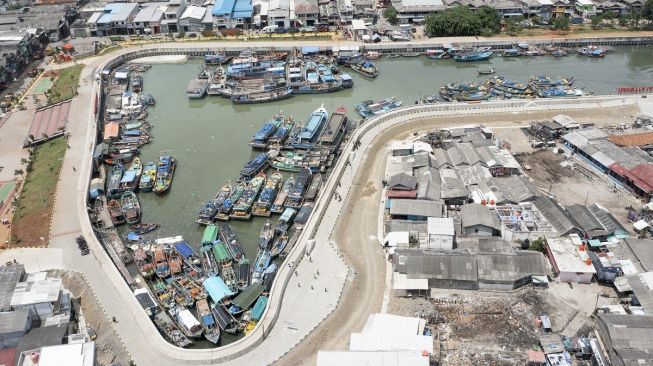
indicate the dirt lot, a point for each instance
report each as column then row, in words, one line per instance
column 494, row 328
column 109, row 350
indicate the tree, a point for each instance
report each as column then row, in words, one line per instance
column 561, row 23
column 458, row 21
column 647, row 10
column 538, row 245
column 390, row 14
column 490, row 19
column 633, row 21
column 513, row 27
column 596, row 22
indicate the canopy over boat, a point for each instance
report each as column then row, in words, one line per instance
column 184, row 249
column 210, row 234
column 220, row 252
column 216, row 288
column 259, row 308
column 128, row 177
column 247, row 297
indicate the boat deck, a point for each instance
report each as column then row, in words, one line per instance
column 333, row 129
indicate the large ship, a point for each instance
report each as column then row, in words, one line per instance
column 254, row 166
column 311, row 130
column 165, row 173
column 261, row 137
column 269, row 193
column 277, row 206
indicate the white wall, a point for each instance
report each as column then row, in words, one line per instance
column 441, row 242
column 478, row 230
column 576, row 277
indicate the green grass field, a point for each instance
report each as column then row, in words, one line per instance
column 66, row 84
column 41, row 182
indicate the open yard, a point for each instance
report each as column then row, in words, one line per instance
column 65, row 84
column 31, row 221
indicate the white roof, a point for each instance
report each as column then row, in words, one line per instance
column 149, row 14
column 398, row 325
column 401, row 145
column 640, row 225
column 440, row 226
column 421, row 146
column 188, row 319
column 422, row 2
column 584, row 2
column 76, row 354
column 93, row 19
column 390, row 342
column 358, row 24
column 565, row 121
column 36, row 292
column 195, row 12
column 395, row 238
column 400, row 281
column 568, row 257
column 371, row 359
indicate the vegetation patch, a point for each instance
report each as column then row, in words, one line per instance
column 65, row 85
column 34, row 205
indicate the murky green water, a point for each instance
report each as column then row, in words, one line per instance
column 209, row 137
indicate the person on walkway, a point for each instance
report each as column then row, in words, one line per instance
column 74, row 170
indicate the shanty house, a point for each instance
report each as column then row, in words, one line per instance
column 587, row 223
column 570, row 259
column 13, row 326
column 402, row 182
column 556, row 215
column 479, row 220
column 415, row 210
column 441, row 233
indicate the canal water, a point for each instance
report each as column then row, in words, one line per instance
column 209, row 137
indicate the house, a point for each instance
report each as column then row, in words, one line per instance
column 627, row 339
column 72, row 354
column 278, row 13
column 509, row 8
column 307, row 12
column 416, row 11
column 148, row 20
column 616, row 8
column 415, row 210
column 173, row 12
column 232, row 13
column 13, row 326
column 585, row 8
column 191, row 20
column 39, row 294
column 441, row 233
column 478, row 220
column 345, row 11
column 570, row 260
column 556, row 215
column 402, row 182
column 541, row 8
column 115, row 19
column 360, row 33
column 586, row 222
column 562, row 8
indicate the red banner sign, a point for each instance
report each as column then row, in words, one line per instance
column 635, row 89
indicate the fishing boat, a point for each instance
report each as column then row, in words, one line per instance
column 163, row 293
column 262, row 262
column 148, row 178
column 131, row 207
column 197, row 88
column 277, row 206
column 216, row 58
column 228, row 204
column 187, row 323
column 559, row 53
column 113, row 183
column 266, row 236
column 372, row 55
column 261, row 137
column 474, row 55
column 116, row 213
column 225, row 263
column 511, row 52
column 263, row 96
column 229, row 237
column 282, row 133
column 346, row 81
column 489, row 71
column 204, row 74
column 393, row 55
column 131, row 176
column 190, row 258
column 209, row 266
column 534, row 52
column 436, row 54
column 144, row 228
column 219, row 84
column 143, row 263
column 366, row 68
column 311, row 131
column 296, row 194
column 211, row 329
column 592, row 51
column 255, row 166
column 165, row 172
column 175, row 262
column 243, row 208
column 262, row 206
column 210, row 209
column 285, row 220
column 161, row 266
column 170, row 329
column 370, row 108
column 279, row 244
column 411, row 54
column 314, row 188
column 543, row 81
column 137, row 83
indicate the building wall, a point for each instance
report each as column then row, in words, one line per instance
column 442, row 242
column 457, row 284
column 477, row 230
column 576, row 277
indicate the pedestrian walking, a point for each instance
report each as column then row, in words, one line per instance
column 74, row 170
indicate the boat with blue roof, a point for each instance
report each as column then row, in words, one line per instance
column 210, row 209
column 243, row 208
column 310, row 132
column 262, row 136
column 211, row 329
column 298, row 190
column 165, row 172
column 255, row 166
column 228, row 203
column 473, row 55
column 266, row 198
column 260, row 265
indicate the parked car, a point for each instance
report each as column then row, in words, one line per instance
column 293, row 30
column 308, row 29
column 280, row 30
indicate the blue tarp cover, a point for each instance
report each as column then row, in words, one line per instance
column 310, row 49
column 259, row 307
column 207, row 319
column 132, row 236
column 184, row 249
column 128, row 177
column 216, row 288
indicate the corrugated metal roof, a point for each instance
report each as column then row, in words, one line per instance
column 408, row 207
column 247, row 297
column 555, row 215
column 14, row 321
column 476, row 214
column 9, row 277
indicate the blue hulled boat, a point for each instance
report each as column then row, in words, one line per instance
column 310, row 132
column 254, row 166
column 475, row 55
column 261, row 137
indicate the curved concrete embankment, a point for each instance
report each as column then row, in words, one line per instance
column 135, row 328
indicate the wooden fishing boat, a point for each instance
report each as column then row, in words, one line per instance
column 116, row 213
column 211, row 329
column 131, row 207
column 161, row 266
column 210, row 209
column 277, row 206
column 143, row 228
column 266, row 236
column 175, row 262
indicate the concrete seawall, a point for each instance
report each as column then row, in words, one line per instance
column 168, row 354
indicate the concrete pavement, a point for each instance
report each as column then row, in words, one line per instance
column 294, row 313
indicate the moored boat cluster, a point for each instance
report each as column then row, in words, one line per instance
column 499, row 87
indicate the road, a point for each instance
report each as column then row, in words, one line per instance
column 298, row 314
